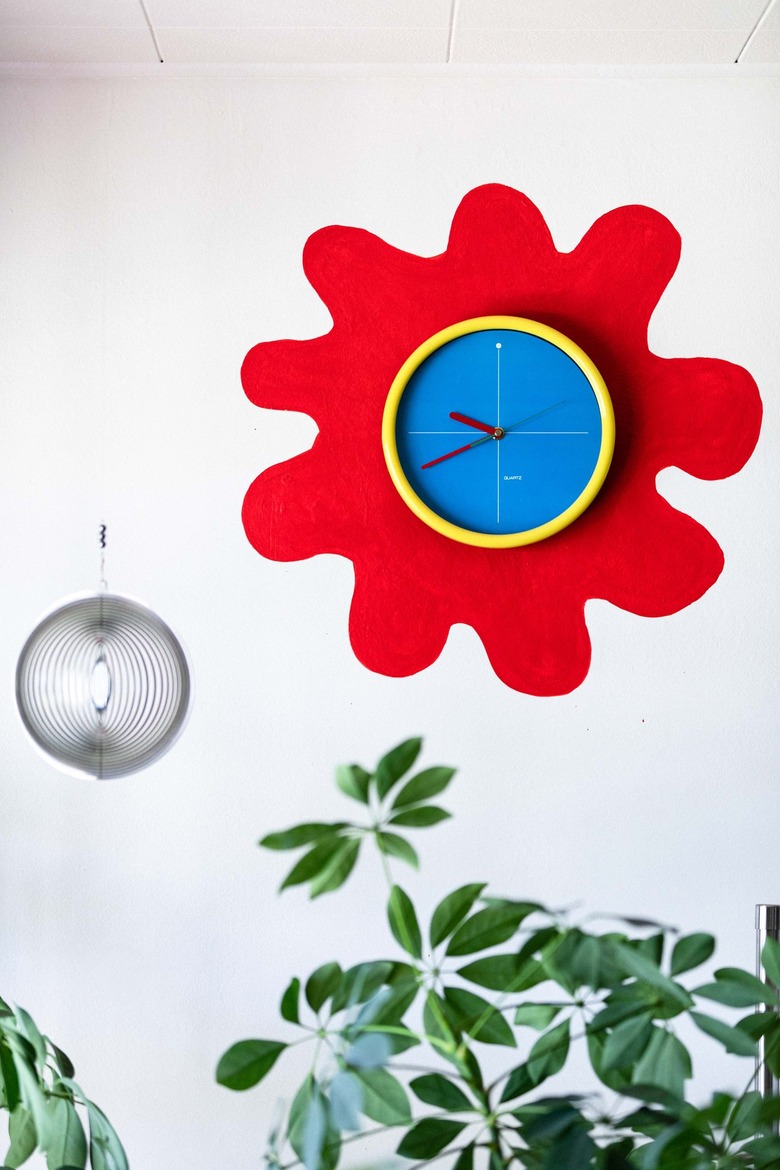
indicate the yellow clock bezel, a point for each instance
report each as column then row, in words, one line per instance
column 504, row 539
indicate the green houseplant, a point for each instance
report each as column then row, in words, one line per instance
column 45, row 1105
column 503, row 973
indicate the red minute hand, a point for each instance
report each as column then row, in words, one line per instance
column 449, row 454
column 472, row 422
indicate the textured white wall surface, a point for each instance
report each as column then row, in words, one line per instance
column 151, row 233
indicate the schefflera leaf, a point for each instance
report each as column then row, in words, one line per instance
column 451, row 911
column 436, row 1089
column 353, row 781
column 403, row 922
column 247, row 1062
column 423, row 786
column 429, row 1137
column 395, row 764
column 488, row 927
column 478, row 1018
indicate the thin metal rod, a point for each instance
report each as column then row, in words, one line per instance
column 767, row 926
column 755, row 30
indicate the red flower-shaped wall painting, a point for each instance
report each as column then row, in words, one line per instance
column 527, row 604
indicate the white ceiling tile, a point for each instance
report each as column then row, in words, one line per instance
column 73, row 13
column 77, row 45
column 299, row 13
column 302, row 46
column 764, row 49
column 610, row 15
column 503, row 46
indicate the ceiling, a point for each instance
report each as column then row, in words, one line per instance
column 365, row 32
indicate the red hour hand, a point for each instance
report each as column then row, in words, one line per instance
column 472, row 422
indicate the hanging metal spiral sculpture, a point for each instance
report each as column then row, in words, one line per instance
column 103, row 686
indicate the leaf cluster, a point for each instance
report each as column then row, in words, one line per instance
column 47, row 1109
column 331, row 849
column 492, row 972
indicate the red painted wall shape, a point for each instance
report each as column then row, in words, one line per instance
column 631, row 547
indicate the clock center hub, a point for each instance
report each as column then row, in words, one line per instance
column 499, row 433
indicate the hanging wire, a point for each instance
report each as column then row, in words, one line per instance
column 102, row 538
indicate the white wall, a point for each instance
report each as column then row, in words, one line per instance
column 152, row 229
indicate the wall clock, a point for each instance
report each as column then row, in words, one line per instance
column 528, row 472
column 417, row 521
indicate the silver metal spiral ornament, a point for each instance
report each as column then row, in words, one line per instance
column 103, row 686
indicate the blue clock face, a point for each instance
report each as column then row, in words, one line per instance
column 498, row 431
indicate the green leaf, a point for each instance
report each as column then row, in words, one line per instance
column 397, row 846
column 626, row 1042
column 247, row 1062
column 289, row 1006
column 764, row 1152
column 360, row 983
column 346, row 1100
column 34, row 1098
column 691, row 951
column 496, row 972
column 737, row 975
column 301, row 835
column 10, row 1078
column 548, row 1055
column 310, row 1128
column 478, row 1018
column 648, row 972
column 733, row 1039
column 572, row 1150
column 629, row 1000
column 772, row 1046
column 403, row 922
column 314, row 1131
column 536, row 1015
column 353, row 781
column 736, row 988
column 322, row 984
column 64, row 1063
column 518, row 1083
column 651, row 947
column 30, row 1029
column 744, row 1120
column 298, row 1111
column 370, row 1050
column 770, row 960
column 438, row 1023
column 548, row 1118
column 436, row 1089
column 423, row 786
column 665, row 1063
column 396, row 764
column 465, row 1159
column 486, row 928
column 21, row 1131
column 390, row 1003
column 421, row 817
column 313, row 862
column 337, row 870
column 105, row 1149
column 452, row 910
column 384, row 1098
column 429, row 1137
column 67, row 1144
